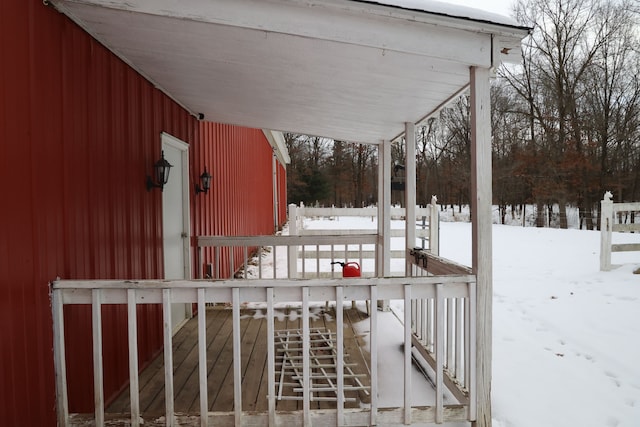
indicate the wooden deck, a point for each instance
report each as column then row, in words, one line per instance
column 254, row 363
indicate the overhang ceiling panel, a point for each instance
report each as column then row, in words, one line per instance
column 320, row 69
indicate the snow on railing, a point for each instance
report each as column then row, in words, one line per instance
column 437, row 291
column 608, row 224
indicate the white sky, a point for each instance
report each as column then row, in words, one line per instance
column 502, row 7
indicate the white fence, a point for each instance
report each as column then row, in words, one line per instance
column 612, row 220
column 436, row 308
column 426, row 223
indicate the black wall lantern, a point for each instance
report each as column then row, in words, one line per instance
column 161, row 170
column 205, row 182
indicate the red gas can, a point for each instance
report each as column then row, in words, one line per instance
column 349, row 269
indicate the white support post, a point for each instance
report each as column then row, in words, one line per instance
column 237, row 354
column 59, row 358
column 271, row 359
column 306, row 362
column 340, row 354
column 434, row 226
column 373, row 352
column 202, row 358
column 168, row 357
column 408, row 367
column 98, row 383
column 481, row 235
column 410, row 194
column 439, row 353
column 292, row 251
column 606, row 223
column 134, row 387
column 383, row 264
column 274, row 169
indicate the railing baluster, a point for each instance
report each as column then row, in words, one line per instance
column 271, row 359
column 237, row 365
column 98, row 383
column 59, row 357
column 168, row 356
column 232, row 262
column 306, row 403
column 202, row 358
column 318, row 261
column 340, row 351
column 304, row 261
column 373, row 352
column 217, row 263
column 451, row 343
column 246, row 262
column 423, row 323
column 459, row 339
column 260, row 263
column 275, row 266
column 134, row 387
column 472, row 352
column 407, row 354
column 440, row 320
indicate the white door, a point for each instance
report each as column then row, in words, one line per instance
column 175, row 221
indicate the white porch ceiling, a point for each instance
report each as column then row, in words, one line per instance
column 348, row 70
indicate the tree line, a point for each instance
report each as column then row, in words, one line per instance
column 565, row 124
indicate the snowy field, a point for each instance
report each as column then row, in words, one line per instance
column 566, row 337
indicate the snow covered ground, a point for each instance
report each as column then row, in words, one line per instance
column 566, row 337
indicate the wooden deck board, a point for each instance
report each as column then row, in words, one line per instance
column 220, row 362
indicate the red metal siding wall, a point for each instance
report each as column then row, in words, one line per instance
column 79, row 131
column 240, row 202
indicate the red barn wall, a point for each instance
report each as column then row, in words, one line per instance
column 240, row 201
column 79, row 132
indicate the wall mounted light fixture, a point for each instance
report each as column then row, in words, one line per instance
column 205, row 182
column 161, row 169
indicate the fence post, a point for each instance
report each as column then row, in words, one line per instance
column 606, row 223
column 292, row 251
column 434, row 226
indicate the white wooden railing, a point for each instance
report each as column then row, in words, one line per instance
column 426, row 223
column 608, row 224
column 263, row 253
column 430, row 297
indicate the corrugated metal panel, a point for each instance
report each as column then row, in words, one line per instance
column 240, row 201
column 79, row 131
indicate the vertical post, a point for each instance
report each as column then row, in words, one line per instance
column 340, row 354
column 408, row 367
column 481, row 236
column 96, row 322
column 410, row 194
column 440, row 353
column 306, row 363
column 383, row 261
column 168, row 356
column 292, row 251
column 606, row 223
column 373, row 352
column 202, row 358
column 237, row 354
column 434, row 226
column 134, row 388
column 271, row 359
column 59, row 358
column 274, row 168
